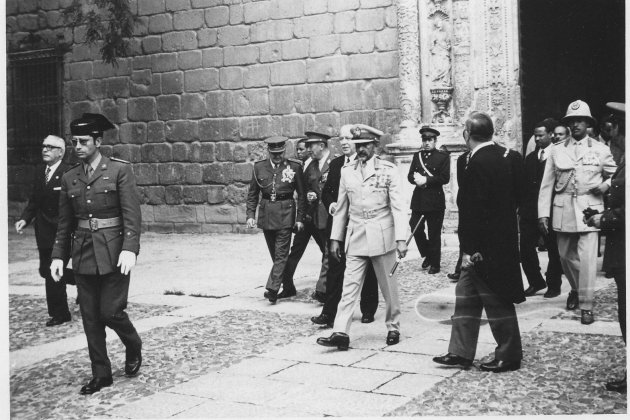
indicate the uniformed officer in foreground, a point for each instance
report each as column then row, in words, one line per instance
column 99, row 219
column 276, row 178
column 370, row 203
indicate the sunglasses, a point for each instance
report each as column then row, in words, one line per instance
column 83, row 142
column 48, row 147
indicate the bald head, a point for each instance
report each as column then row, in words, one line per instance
column 479, row 127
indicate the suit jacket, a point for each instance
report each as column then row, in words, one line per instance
column 430, row 197
column 613, row 221
column 534, row 170
column 372, row 209
column 571, row 171
column 43, row 205
column 330, row 191
column 286, row 179
column 314, row 180
column 487, row 219
column 110, row 192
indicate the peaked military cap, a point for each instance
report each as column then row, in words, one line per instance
column 362, row 133
column 429, row 130
column 316, row 136
column 90, row 125
column 617, row 107
column 276, row 144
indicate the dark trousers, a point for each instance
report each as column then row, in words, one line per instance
column 529, row 235
column 334, row 287
column 103, row 300
column 620, row 279
column 429, row 243
column 300, row 241
column 278, row 243
column 56, row 298
column 471, row 297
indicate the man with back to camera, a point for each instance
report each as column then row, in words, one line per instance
column 43, row 206
column 99, row 212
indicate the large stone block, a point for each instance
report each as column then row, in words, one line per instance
column 193, row 105
column 339, row 6
column 81, row 71
column 194, row 152
column 129, row 152
column 219, row 103
column 241, row 152
column 134, row 133
column 386, row 40
column 80, row 52
column 180, row 152
column 251, row 102
column 172, row 82
column 187, row 60
column 153, row 195
column 175, row 5
column 370, row 20
column 326, row 121
column 287, row 9
column 147, row 213
column 115, row 110
column 171, row 173
column 117, row 87
column 95, row 89
column 314, row 98
column 272, row 30
column 256, row 76
column 179, row 214
column 233, row 35
column 236, row 194
column 203, row 4
column 141, row 62
column 156, row 152
column 161, row 228
column 76, row 90
column 169, row 107
column 219, row 129
column 77, row 109
column 243, row 172
column 327, row 69
column 295, row 49
column 323, row 45
column 187, row 228
column 348, row 96
column 238, row 56
column 270, row 52
column 159, row 24
column 102, row 69
column 193, row 174
column 288, row 73
column 293, row 125
column 370, row 4
column 358, row 42
column 373, row 66
column 255, row 128
column 150, row 7
column 344, row 22
column 256, row 11
column 391, row 17
column 218, row 17
column 173, row 194
column 236, row 14
column 188, row 19
column 216, row 194
column 224, row 151
column 212, row 228
column 314, row 7
column 141, row 109
column 178, row 41
column 206, row 37
column 221, row 214
column 212, row 57
column 155, row 132
column 28, row 23
column 195, row 194
column 281, row 100
column 201, row 80
column 153, row 88
column 231, row 78
column 164, row 62
column 182, row 130
column 379, row 94
column 206, row 152
column 218, row 173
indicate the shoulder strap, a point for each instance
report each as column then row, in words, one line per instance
column 422, row 163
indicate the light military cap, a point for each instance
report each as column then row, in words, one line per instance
column 362, row 133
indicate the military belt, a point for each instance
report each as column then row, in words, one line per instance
column 369, row 213
column 278, row 197
column 95, row 224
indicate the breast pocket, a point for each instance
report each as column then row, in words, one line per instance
column 74, row 195
column 106, row 194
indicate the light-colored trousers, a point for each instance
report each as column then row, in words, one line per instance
column 356, row 267
column 578, row 257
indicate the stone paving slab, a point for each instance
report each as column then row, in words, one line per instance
column 409, row 384
column 403, row 362
column 221, row 409
column 258, row 367
column 313, row 353
column 157, row 406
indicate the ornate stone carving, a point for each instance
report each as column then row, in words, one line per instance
column 441, row 98
column 409, row 63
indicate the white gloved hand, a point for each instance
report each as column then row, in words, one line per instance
column 19, row 225
column 251, row 223
column 126, row 261
column 56, row 269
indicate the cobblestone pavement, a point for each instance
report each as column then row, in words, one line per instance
column 175, row 354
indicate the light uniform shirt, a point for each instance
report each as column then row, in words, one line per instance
column 53, row 168
column 94, row 164
column 323, row 159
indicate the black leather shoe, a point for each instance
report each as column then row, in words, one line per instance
column 57, row 321
column 132, row 364
column 451, row 359
column 95, row 385
column 367, row 318
column 319, row 296
column 618, row 385
column 323, row 319
column 587, row 317
column 453, row 276
column 287, row 293
column 393, row 337
column 531, row 291
column 434, row 270
column 573, row 301
column 426, row 263
column 550, row 293
column 272, row 295
column 339, row 340
column 498, row 366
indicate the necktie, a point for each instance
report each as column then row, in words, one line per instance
column 467, row 160
column 89, row 171
column 347, row 159
column 47, row 174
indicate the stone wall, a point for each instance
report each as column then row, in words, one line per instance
column 208, row 80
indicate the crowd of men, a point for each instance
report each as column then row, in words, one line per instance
column 569, row 188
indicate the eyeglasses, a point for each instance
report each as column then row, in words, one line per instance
column 83, row 142
column 49, row 148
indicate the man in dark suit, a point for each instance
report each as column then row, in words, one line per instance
column 528, row 222
column 430, row 169
column 43, row 206
column 277, row 178
column 334, row 277
column 491, row 275
column 99, row 212
column 316, row 217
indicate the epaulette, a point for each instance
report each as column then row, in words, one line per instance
column 260, row 161
column 299, row 162
column 119, row 160
column 72, row 167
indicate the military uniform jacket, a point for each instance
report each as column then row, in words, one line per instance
column 110, row 192
column 43, row 205
column 372, row 208
column 314, row 180
column 284, row 180
column 613, row 221
column 572, row 169
column 430, row 197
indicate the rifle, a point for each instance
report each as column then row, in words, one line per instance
column 413, row 232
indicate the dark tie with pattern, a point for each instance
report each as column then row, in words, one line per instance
column 47, row 174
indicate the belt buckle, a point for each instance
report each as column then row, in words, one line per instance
column 273, row 197
column 93, row 224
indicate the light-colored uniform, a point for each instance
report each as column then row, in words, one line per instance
column 573, row 168
column 370, row 202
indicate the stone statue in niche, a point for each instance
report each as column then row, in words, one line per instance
column 440, row 55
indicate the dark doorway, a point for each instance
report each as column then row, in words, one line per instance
column 570, row 49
